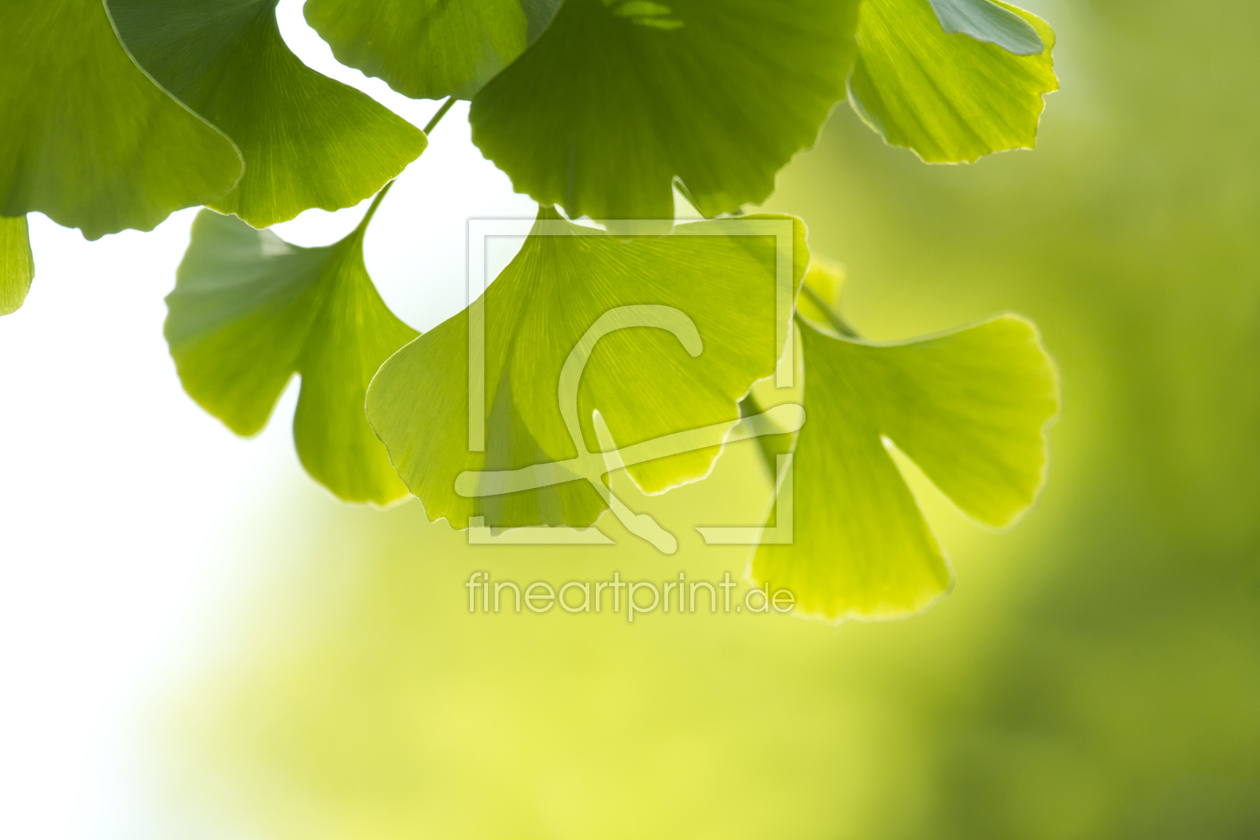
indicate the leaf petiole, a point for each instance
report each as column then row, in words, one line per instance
column 437, row 118
column 380, row 196
column 833, row 320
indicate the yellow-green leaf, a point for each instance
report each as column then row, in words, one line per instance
column 970, row 408
column 249, row 310
column 17, row 265
column 647, row 382
column 949, row 97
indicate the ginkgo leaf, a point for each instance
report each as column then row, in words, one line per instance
column 89, row 140
column 715, row 325
column 949, row 97
column 17, row 266
column 970, row 408
column 249, row 310
column 429, row 49
column 617, row 98
column 308, row 141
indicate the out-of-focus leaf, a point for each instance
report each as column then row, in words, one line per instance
column 429, row 49
column 249, row 310
column 17, row 265
column 308, row 141
column 618, row 98
column 949, row 97
column 986, row 21
column 644, row 382
column 87, row 138
column 970, row 408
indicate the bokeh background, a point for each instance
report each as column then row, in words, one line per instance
column 198, row 642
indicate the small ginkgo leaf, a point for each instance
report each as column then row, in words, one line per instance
column 88, row 139
column 17, row 265
column 249, row 310
column 989, row 22
column 970, row 408
column 429, row 49
column 618, row 98
column 308, row 141
column 950, row 97
column 713, row 323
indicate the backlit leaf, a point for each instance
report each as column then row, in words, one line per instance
column 617, row 98
column 970, row 408
column 644, row 381
column 308, row 141
column 88, row 138
column 17, row 266
column 249, row 310
column 429, row 49
column 949, row 97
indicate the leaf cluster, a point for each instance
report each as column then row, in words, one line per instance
column 119, row 113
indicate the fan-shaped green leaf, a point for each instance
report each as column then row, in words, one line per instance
column 617, row 98
column 89, row 139
column 970, row 408
column 308, row 141
column 429, row 49
column 249, row 310
column 17, row 266
column 644, row 382
column 949, row 97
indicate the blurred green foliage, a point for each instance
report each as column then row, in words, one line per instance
column 1096, row 673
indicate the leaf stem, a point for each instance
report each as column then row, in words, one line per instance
column 833, row 320
column 441, row 112
column 380, row 196
column 376, row 202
